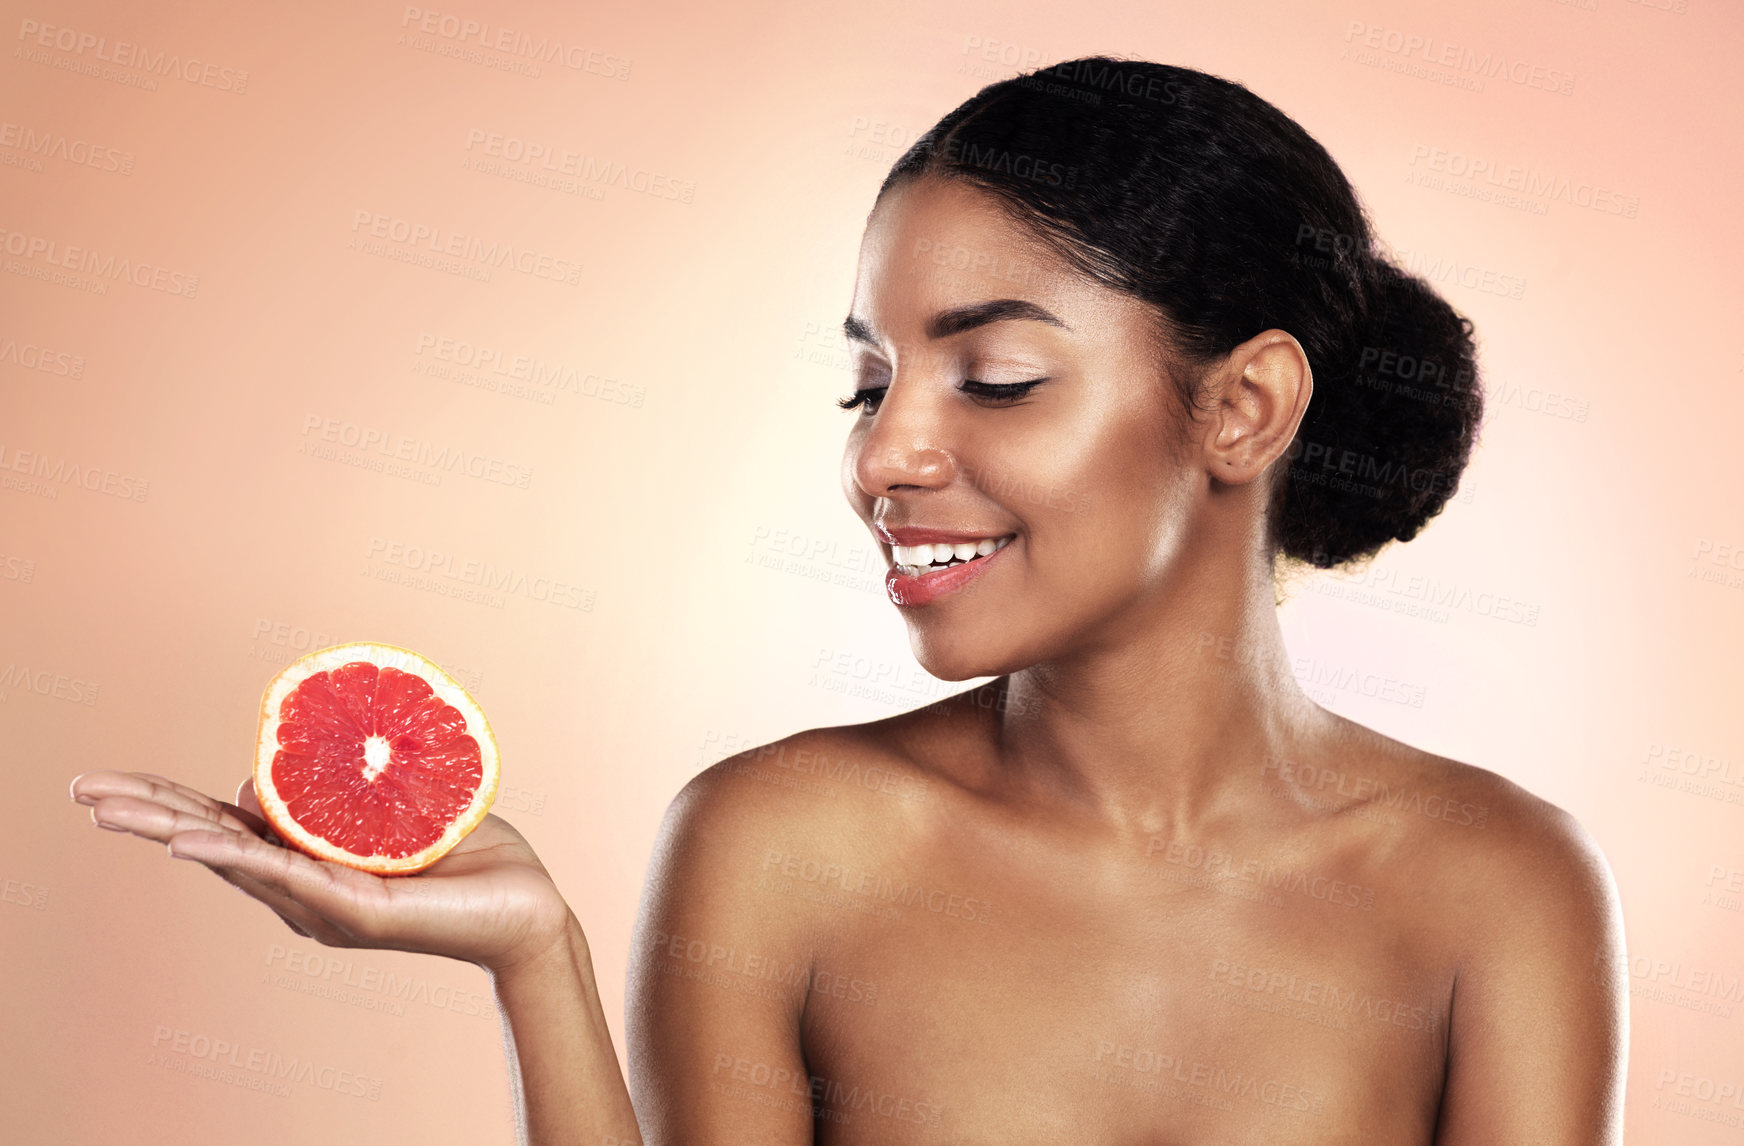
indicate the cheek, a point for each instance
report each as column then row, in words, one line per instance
column 1085, row 472
column 1102, row 496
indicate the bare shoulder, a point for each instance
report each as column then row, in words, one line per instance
column 1528, row 846
column 819, row 802
column 828, row 762
column 836, row 787
column 1520, row 895
column 819, row 797
column 1502, row 866
column 730, row 949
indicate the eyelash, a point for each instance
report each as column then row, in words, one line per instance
column 1009, row 392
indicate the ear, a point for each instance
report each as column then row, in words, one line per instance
column 1260, row 393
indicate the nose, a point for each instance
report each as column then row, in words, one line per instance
column 901, row 451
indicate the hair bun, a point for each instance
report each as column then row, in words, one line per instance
column 1389, row 431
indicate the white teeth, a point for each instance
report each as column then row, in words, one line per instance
column 922, row 557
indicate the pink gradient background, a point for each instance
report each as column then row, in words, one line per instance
column 720, row 313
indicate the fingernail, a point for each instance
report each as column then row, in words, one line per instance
column 111, row 827
column 81, row 798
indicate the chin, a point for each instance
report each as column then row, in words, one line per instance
column 957, row 657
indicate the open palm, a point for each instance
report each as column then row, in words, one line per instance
column 489, row 901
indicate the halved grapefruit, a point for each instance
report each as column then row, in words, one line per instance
column 371, row 756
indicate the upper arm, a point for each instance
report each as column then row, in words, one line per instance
column 717, row 978
column 1538, row 1040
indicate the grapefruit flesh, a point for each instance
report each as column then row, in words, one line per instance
column 372, row 756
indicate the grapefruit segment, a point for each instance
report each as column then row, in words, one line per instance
column 372, row 756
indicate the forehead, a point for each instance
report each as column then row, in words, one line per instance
column 946, row 236
column 933, row 244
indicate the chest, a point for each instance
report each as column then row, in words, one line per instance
column 1166, row 1003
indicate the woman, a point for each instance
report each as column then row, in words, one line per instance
column 1124, row 347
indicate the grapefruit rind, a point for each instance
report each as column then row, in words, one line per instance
column 444, row 686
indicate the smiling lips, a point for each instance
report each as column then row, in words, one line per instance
column 915, row 560
column 928, row 563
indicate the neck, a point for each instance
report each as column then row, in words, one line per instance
column 1156, row 720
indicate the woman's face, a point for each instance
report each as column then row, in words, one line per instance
column 1083, row 478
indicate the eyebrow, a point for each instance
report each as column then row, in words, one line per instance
column 961, row 318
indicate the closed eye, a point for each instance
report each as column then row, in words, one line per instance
column 1000, row 392
column 995, row 393
column 868, row 398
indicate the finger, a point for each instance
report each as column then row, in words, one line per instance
column 245, row 797
column 89, row 787
column 154, row 821
column 253, row 822
column 143, row 784
column 248, row 808
column 93, row 788
column 344, row 897
column 188, row 800
column 181, row 795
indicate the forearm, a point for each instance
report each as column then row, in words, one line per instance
column 569, row 1089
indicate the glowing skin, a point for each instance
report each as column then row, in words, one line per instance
column 1080, row 468
column 1137, row 911
column 1138, row 889
column 1138, row 536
